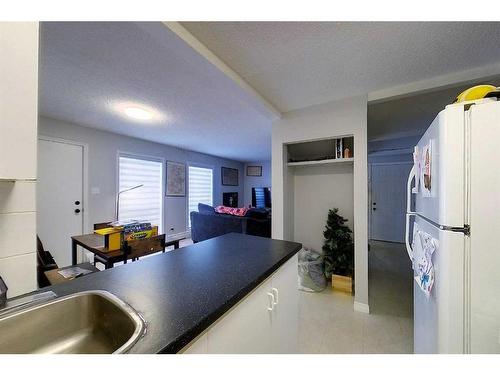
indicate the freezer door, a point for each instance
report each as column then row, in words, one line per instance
column 444, row 203
column 438, row 319
column 483, row 288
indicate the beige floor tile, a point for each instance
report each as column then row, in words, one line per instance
column 328, row 323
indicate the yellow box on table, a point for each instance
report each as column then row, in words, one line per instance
column 112, row 238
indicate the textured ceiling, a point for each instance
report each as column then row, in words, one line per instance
column 403, row 121
column 298, row 64
column 85, row 67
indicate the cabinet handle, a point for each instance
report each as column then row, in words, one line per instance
column 276, row 294
column 271, row 307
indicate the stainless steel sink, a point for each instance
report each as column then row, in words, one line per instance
column 88, row 322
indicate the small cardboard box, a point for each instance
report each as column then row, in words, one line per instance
column 342, row 283
column 141, row 234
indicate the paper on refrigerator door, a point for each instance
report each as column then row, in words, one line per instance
column 425, row 170
column 416, row 165
column 424, row 245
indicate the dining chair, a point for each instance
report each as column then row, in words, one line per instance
column 46, row 263
column 135, row 249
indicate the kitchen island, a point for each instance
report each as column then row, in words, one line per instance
column 234, row 293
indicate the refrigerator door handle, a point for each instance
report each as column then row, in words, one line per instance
column 411, row 177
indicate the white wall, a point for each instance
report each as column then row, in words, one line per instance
column 392, row 150
column 251, row 181
column 18, row 126
column 318, row 189
column 343, row 117
column 102, row 169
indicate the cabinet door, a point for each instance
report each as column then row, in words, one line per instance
column 246, row 328
column 286, row 311
column 199, row 346
column 18, row 99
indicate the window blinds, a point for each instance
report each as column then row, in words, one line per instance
column 144, row 203
column 200, row 188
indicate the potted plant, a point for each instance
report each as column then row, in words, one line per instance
column 338, row 252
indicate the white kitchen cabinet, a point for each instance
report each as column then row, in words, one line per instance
column 247, row 327
column 18, row 137
column 265, row 321
column 285, row 317
column 198, row 346
column 18, row 100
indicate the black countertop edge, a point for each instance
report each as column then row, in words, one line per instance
column 163, row 296
column 190, row 335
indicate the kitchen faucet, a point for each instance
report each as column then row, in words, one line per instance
column 3, row 293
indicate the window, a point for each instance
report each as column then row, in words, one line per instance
column 200, row 188
column 146, row 202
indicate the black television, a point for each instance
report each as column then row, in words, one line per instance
column 261, row 197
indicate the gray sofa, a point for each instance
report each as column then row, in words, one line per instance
column 205, row 225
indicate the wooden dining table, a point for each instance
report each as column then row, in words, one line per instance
column 95, row 244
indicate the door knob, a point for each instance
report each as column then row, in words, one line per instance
column 77, row 203
column 77, row 211
column 374, row 208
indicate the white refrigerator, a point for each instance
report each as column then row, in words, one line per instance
column 453, row 209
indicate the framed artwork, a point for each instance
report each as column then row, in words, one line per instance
column 176, row 179
column 254, row 170
column 229, row 176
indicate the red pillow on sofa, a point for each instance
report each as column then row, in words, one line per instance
column 235, row 211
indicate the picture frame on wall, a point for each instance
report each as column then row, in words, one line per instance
column 229, row 176
column 254, row 170
column 176, row 179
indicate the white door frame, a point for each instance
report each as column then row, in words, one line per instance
column 370, row 186
column 85, row 188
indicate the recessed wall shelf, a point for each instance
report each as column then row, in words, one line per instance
column 318, row 175
column 317, row 162
column 5, row 179
column 321, row 151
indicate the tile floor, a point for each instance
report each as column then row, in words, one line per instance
column 328, row 323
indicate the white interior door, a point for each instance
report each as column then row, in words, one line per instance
column 388, row 201
column 59, row 197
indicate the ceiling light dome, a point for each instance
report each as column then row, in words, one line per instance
column 137, row 112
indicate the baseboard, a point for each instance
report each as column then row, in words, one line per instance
column 180, row 235
column 361, row 307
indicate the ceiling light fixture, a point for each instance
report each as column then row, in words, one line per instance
column 137, row 111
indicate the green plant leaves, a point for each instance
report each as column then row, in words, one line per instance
column 338, row 247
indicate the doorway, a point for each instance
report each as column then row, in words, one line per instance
column 388, row 201
column 60, row 196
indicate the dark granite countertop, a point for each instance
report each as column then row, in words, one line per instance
column 184, row 291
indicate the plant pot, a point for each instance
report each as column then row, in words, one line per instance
column 343, row 283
